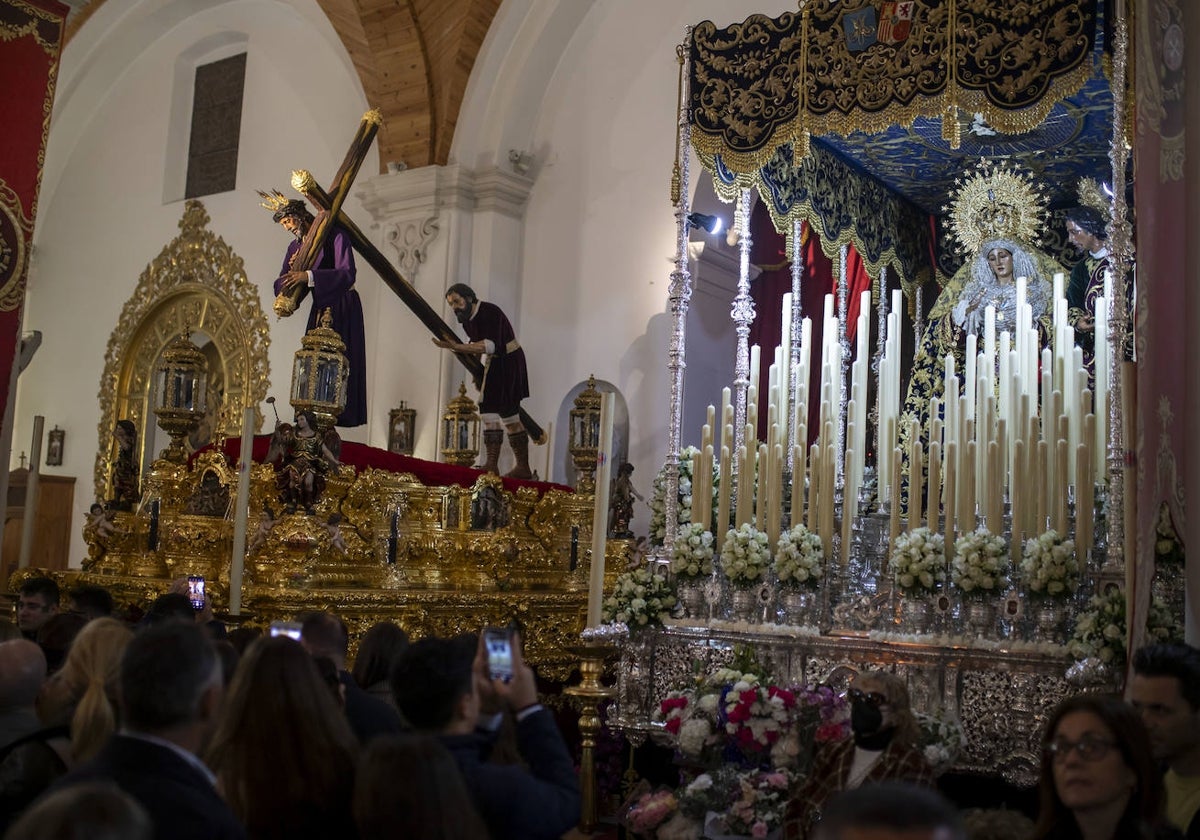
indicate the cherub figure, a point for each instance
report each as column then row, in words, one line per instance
column 265, row 524
column 101, row 519
column 304, row 458
column 333, row 526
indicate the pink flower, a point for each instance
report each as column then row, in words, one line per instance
column 759, row 829
column 776, row 780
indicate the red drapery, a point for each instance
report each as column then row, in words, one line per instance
column 768, row 251
column 1162, row 429
column 30, row 43
column 362, row 457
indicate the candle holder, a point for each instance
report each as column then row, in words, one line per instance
column 584, row 442
column 181, row 378
column 588, row 696
column 319, row 373
column 460, row 430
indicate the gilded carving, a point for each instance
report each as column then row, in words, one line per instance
column 196, row 282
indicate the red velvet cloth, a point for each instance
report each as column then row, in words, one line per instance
column 29, row 67
column 818, row 280
column 361, row 457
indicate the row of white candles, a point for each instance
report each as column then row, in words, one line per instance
column 1007, row 432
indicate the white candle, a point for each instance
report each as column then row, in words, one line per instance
column 237, row 562
column 915, row 467
column 969, row 375
column 600, row 513
column 723, row 494
column 935, row 485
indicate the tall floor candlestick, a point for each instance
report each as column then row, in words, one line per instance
column 245, row 462
column 600, row 513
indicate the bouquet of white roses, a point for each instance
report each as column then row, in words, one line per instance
column 639, row 598
column 745, row 555
column 918, row 560
column 980, row 562
column 658, row 496
column 798, row 558
column 1100, row 630
column 940, row 740
column 1050, row 566
column 692, row 553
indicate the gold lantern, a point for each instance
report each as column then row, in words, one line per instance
column 585, row 436
column 460, row 430
column 319, row 374
column 181, row 378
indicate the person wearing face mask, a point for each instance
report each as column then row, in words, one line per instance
column 883, row 746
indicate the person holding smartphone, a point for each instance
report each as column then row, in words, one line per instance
column 442, row 686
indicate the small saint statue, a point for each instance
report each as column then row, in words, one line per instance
column 620, row 505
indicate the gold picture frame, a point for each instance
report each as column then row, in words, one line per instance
column 401, row 423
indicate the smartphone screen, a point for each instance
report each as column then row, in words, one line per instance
column 286, row 628
column 196, row 592
column 499, row 653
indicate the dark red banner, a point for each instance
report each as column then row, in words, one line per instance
column 31, row 33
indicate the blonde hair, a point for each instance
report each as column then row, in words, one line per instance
column 89, row 677
column 895, row 689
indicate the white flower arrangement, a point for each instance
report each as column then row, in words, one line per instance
column 980, row 562
column 799, row 558
column 639, row 598
column 692, row 553
column 1100, row 630
column 918, row 560
column 1050, row 566
column 941, row 739
column 658, row 497
column 745, row 555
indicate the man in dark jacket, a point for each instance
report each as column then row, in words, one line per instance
column 441, row 685
column 1166, row 692
column 171, row 689
column 324, row 634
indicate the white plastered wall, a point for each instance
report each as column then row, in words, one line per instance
column 590, row 91
column 107, row 205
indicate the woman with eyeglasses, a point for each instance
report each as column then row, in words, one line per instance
column 1099, row 780
column 884, row 747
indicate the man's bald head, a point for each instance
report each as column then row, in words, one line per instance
column 22, row 672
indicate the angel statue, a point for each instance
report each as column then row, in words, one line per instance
column 302, row 457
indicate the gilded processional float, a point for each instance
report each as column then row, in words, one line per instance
column 964, row 529
column 440, row 548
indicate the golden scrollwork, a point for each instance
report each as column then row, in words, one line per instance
column 380, row 546
column 196, row 281
column 1000, row 201
column 15, row 231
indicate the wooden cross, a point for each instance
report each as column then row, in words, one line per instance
column 330, row 207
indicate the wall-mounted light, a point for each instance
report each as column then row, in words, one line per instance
column 712, row 224
column 521, row 161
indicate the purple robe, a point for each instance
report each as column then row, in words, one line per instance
column 505, row 381
column 333, row 288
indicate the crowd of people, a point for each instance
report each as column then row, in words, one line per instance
column 173, row 727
